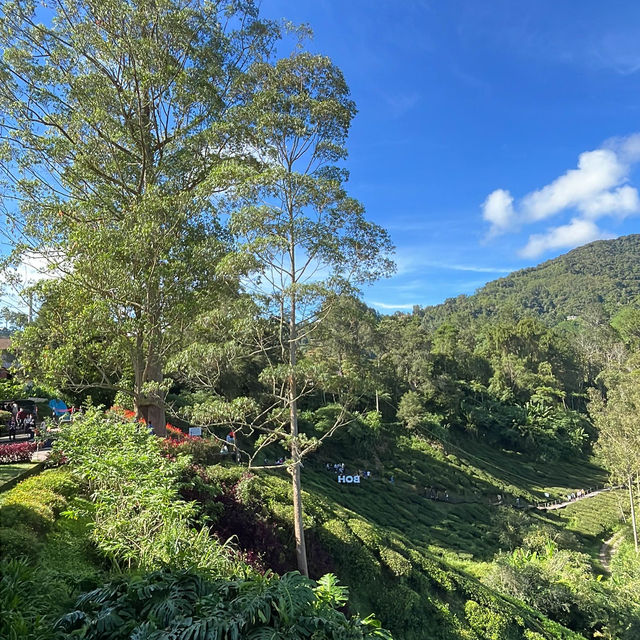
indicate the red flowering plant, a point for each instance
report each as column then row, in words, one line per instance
column 16, row 452
column 203, row 451
column 176, row 434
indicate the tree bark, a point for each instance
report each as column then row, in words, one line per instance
column 298, row 526
column 633, row 515
column 298, row 522
column 149, row 406
column 152, row 404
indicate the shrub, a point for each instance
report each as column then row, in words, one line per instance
column 16, row 452
column 489, row 624
column 367, row 533
column 17, row 539
column 20, row 603
column 398, row 564
column 36, row 501
column 140, row 520
column 175, row 433
column 186, row 605
column 202, row 451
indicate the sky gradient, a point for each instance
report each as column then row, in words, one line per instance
column 491, row 136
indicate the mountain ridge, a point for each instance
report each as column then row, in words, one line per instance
column 596, row 277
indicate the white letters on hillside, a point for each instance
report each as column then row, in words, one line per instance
column 348, row 479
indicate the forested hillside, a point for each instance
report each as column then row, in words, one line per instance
column 596, row 278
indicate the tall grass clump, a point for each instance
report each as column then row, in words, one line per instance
column 140, row 520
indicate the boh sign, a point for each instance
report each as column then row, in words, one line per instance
column 348, row 479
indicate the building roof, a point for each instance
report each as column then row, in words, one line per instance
column 5, row 343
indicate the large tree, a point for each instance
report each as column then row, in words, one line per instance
column 308, row 240
column 304, row 242
column 117, row 132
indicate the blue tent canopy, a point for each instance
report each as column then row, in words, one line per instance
column 58, row 407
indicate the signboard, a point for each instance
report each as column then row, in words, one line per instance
column 195, row 431
column 348, row 479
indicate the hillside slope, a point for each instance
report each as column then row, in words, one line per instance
column 599, row 276
column 427, row 567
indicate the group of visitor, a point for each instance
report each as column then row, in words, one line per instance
column 339, row 468
column 21, row 420
column 229, row 440
column 437, row 494
column 230, row 446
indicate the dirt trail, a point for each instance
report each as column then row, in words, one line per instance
column 608, row 548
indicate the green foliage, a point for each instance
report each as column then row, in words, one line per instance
column 128, row 108
column 411, row 409
column 397, row 563
column 560, row 583
column 489, row 624
column 183, row 605
column 139, row 519
column 21, row 602
column 601, row 275
column 11, row 390
column 616, row 419
column 35, row 502
column 45, row 559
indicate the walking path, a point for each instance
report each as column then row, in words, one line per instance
column 608, row 548
column 561, row 505
column 41, row 456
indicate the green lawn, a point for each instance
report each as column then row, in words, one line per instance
column 10, row 471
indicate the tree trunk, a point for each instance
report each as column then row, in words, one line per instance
column 298, row 521
column 633, row 515
column 301, row 547
column 149, row 406
column 298, row 526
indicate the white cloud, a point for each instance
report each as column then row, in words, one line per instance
column 384, row 305
column 597, row 172
column 566, row 236
column 412, row 260
column 498, row 211
column 470, row 267
column 627, row 148
column 599, row 187
column 33, row 267
column 623, row 201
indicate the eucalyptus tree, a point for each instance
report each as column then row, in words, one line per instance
column 117, row 133
column 303, row 241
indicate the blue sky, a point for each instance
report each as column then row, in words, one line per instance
column 491, row 136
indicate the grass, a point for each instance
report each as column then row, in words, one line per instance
column 51, row 555
column 386, row 539
column 473, row 478
column 10, row 471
